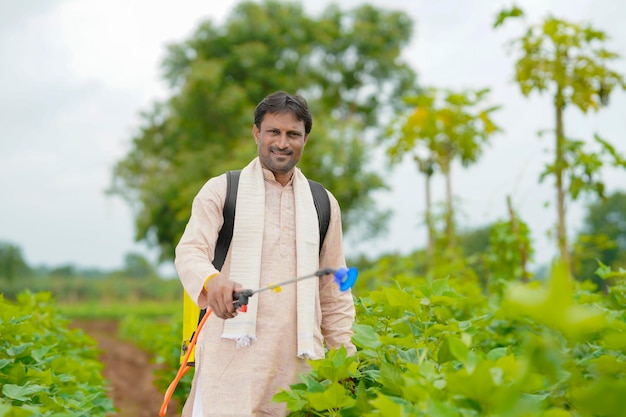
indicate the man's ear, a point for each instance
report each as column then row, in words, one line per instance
column 255, row 133
column 306, row 137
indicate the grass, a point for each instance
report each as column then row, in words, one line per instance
column 119, row 310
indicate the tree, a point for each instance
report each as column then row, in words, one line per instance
column 441, row 127
column 64, row 271
column 499, row 252
column 510, row 249
column 569, row 62
column 137, row 266
column 603, row 237
column 12, row 263
column 347, row 65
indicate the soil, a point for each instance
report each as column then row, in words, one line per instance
column 128, row 370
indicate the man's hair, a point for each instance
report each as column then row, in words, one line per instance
column 283, row 102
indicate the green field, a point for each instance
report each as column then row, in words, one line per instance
column 426, row 347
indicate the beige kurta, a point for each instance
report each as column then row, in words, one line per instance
column 240, row 382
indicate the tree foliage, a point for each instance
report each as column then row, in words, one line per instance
column 603, row 238
column 137, row 266
column 499, row 252
column 12, row 263
column 441, row 127
column 569, row 62
column 346, row 63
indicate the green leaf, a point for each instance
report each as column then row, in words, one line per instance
column 495, row 354
column 439, row 409
column 452, row 348
column 392, row 378
column 337, row 367
column 18, row 349
column 557, row 412
column 615, row 340
column 458, row 349
column 39, row 353
column 442, row 300
column 388, row 407
column 398, row 298
column 21, row 392
column 365, row 336
column 601, row 397
column 293, row 398
column 334, row 397
column 45, row 377
column 440, row 286
column 12, row 411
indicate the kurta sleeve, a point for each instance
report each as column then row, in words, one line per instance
column 338, row 311
column 195, row 250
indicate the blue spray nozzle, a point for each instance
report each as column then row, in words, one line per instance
column 346, row 277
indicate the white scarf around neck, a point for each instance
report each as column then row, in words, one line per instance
column 247, row 248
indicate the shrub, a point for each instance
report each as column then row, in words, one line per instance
column 440, row 348
column 46, row 369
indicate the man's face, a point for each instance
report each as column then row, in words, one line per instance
column 280, row 141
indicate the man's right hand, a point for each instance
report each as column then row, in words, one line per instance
column 220, row 296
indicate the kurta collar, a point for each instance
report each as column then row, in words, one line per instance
column 269, row 176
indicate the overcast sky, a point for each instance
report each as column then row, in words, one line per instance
column 75, row 75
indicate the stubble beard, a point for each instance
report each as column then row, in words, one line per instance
column 279, row 162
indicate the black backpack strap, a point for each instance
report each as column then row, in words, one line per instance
column 226, row 233
column 322, row 205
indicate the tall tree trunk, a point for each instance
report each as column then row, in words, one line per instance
column 426, row 168
column 430, row 249
column 558, row 172
column 516, row 232
column 450, row 232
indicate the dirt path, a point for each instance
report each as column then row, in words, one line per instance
column 128, row 370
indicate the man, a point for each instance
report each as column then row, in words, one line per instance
column 243, row 359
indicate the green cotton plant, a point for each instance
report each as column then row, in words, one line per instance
column 506, row 256
column 582, row 348
column 440, row 348
column 617, row 291
column 328, row 397
column 401, row 333
column 47, row 369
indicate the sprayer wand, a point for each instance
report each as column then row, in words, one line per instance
column 240, row 298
